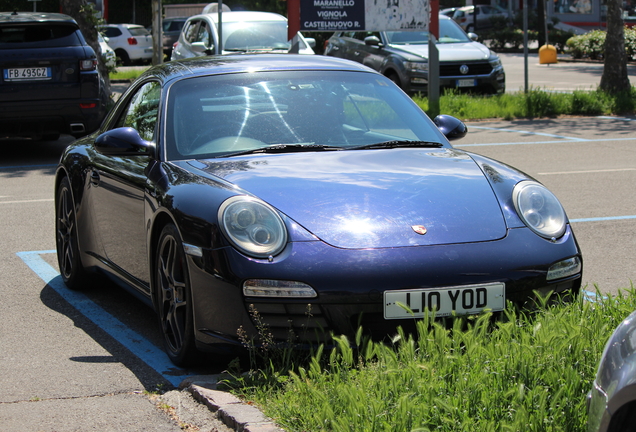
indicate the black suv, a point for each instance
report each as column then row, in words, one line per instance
column 49, row 82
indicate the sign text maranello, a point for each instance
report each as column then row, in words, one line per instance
column 364, row 15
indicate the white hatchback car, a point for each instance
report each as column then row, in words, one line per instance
column 107, row 52
column 242, row 32
column 131, row 42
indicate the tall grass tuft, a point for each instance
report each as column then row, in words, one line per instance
column 519, row 372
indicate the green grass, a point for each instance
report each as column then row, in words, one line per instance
column 128, row 75
column 535, row 103
column 521, row 372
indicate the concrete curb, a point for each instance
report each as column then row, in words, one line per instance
column 232, row 411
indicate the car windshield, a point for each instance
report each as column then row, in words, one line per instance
column 215, row 116
column 449, row 32
column 256, row 36
column 138, row 31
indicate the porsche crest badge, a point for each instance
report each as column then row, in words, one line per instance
column 419, row 229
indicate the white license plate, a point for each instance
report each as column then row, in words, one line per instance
column 22, row 74
column 447, row 301
column 466, row 83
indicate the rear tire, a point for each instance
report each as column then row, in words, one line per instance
column 66, row 239
column 174, row 299
column 123, row 57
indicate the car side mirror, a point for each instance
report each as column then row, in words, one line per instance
column 372, row 41
column 201, row 48
column 311, row 42
column 124, row 141
column 451, row 127
column 473, row 36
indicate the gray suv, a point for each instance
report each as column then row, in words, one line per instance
column 402, row 56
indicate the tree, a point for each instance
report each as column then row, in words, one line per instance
column 615, row 79
column 86, row 18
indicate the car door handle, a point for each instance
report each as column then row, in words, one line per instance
column 335, row 47
column 95, row 178
column 356, row 53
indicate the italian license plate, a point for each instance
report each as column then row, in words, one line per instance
column 447, row 301
column 466, row 83
column 27, row 74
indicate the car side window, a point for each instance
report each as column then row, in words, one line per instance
column 111, row 32
column 203, row 35
column 191, row 31
column 142, row 111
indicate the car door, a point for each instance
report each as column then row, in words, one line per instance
column 118, row 185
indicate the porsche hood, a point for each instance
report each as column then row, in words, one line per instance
column 374, row 198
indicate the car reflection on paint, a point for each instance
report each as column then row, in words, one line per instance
column 309, row 189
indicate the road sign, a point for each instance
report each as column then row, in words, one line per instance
column 364, row 15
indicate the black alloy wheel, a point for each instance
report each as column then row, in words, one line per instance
column 68, row 257
column 173, row 298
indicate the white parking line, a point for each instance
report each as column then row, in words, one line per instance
column 530, row 133
column 26, row 201
column 587, row 171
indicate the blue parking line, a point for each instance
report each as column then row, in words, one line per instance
column 602, row 219
column 134, row 342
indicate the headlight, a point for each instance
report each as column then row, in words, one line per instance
column 416, row 66
column 252, row 226
column 539, row 209
column 494, row 60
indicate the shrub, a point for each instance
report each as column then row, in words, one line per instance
column 588, row 45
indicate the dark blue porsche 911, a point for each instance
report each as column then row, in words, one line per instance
column 311, row 190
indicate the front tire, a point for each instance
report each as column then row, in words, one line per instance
column 174, row 298
column 66, row 239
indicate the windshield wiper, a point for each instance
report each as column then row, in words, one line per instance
column 399, row 143
column 286, row 148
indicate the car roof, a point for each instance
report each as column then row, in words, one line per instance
column 227, row 64
column 123, row 25
column 27, row 17
column 237, row 16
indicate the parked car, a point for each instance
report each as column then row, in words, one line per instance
column 612, row 400
column 171, row 29
column 132, row 43
column 403, row 57
column 448, row 11
column 309, row 189
column 242, row 32
column 107, row 52
column 464, row 16
column 50, row 82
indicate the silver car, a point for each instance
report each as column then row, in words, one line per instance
column 402, row 56
column 612, row 400
column 465, row 17
column 241, row 32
